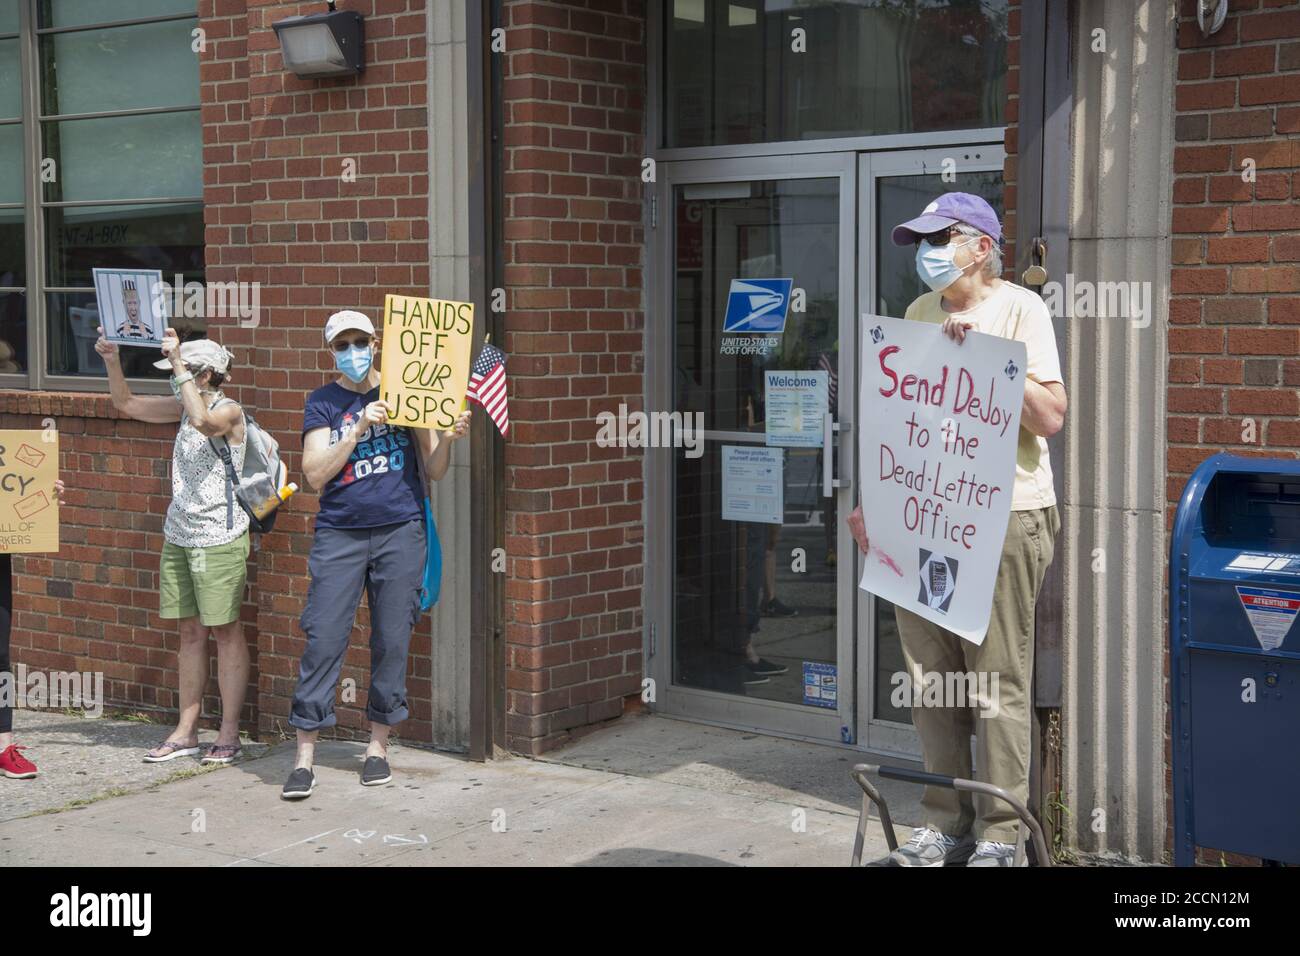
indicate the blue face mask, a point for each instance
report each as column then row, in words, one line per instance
column 354, row 362
column 935, row 266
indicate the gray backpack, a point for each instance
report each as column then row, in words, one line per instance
column 263, row 475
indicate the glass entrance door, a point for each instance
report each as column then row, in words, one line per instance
column 763, row 267
column 892, row 188
column 757, row 297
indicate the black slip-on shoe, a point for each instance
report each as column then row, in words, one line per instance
column 375, row 772
column 299, row 785
column 765, row 667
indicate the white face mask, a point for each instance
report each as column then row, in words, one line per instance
column 935, row 265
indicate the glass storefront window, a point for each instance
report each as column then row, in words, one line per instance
column 13, row 331
column 76, row 13
column 868, row 67
column 11, row 160
column 13, row 237
column 147, row 66
column 81, row 238
column 11, row 85
column 154, row 156
column 13, row 254
column 101, row 159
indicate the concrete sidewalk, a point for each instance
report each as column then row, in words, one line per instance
column 646, row 791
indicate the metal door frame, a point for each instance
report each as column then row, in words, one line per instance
column 769, row 717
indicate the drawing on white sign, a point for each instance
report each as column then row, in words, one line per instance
column 938, row 580
column 941, row 422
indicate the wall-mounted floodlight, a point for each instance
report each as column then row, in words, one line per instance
column 323, row 44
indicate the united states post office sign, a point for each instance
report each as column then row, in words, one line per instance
column 29, row 512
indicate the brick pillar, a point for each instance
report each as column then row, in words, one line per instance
column 574, row 98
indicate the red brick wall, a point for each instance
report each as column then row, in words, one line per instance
column 573, row 95
column 93, row 605
column 1234, row 315
column 278, row 213
column 1234, row 337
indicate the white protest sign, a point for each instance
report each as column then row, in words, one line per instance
column 940, row 424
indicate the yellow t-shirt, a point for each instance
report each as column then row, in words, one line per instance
column 1013, row 312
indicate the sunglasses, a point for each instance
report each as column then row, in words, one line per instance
column 342, row 344
column 940, row 238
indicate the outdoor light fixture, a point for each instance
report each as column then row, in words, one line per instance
column 323, row 44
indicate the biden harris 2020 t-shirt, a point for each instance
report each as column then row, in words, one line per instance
column 380, row 484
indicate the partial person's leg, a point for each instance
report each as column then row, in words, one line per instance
column 944, row 731
column 232, row 678
column 337, row 565
column 397, row 557
column 6, row 666
column 219, row 591
column 13, row 765
column 1002, row 728
column 177, row 601
column 192, row 663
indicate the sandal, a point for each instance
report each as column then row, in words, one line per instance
column 170, row 750
column 221, row 753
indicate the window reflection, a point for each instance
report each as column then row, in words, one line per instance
column 898, row 199
column 869, row 67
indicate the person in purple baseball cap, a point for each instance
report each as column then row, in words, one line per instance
column 958, row 243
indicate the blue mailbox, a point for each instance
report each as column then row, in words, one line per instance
column 1234, row 595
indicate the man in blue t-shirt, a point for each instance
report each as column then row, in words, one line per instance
column 369, row 533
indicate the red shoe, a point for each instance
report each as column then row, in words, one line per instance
column 14, row 765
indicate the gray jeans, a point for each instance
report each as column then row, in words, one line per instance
column 389, row 562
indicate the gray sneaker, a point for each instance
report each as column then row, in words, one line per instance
column 929, row 847
column 375, row 771
column 989, row 853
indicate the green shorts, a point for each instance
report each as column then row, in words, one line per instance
column 207, row 583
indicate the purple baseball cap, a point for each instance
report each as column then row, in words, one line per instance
column 948, row 209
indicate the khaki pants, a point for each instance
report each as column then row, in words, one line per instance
column 1002, row 741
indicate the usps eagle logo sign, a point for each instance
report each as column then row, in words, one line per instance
column 757, row 305
column 938, row 580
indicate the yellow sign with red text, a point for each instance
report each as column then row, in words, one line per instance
column 29, row 512
column 425, row 359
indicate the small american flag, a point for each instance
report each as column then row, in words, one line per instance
column 487, row 385
column 831, row 367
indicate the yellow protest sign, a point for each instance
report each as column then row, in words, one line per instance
column 29, row 512
column 425, row 359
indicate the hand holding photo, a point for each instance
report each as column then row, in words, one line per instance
column 132, row 308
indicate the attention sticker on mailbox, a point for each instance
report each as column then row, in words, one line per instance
column 1270, row 612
